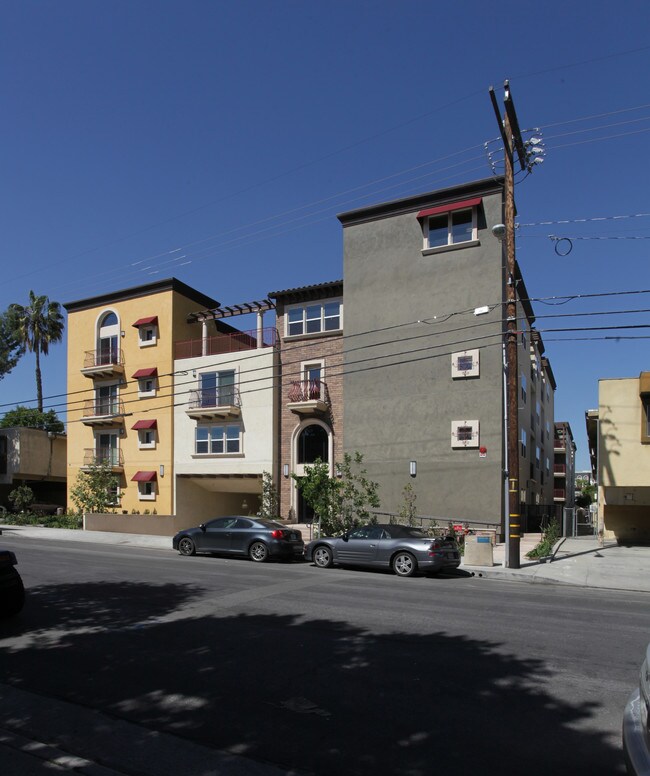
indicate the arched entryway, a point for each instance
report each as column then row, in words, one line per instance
column 312, row 442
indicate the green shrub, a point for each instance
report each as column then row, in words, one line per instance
column 46, row 521
column 550, row 535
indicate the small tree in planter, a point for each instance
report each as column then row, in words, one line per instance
column 269, row 500
column 22, row 498
column 94, row 490
column 408, row 512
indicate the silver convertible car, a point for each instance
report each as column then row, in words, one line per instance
column 402, row 548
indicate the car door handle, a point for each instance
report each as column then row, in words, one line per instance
column 373, row 545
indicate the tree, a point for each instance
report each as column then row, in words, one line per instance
column 10, row 348
column 22, row 498
column 341, row 503
column 36, row 327
column 30, row 417
column 587, row 496
column 269, row 501
column 95, row 488
column 408, row 512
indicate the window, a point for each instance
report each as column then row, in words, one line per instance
column 314, row 318
column 146, row 387
column 524, row 342
column 523, row 443
column 446, row 229
column 106, row 400
column 107, row 448
column 537, row 454
column 465, row 364
column 146, row 438
column 147, row 336
column 218, row 440
column 645, row 419
column 217, row 388
column 464, row 433
column 107, row 338
column 147, row 491
column 313, row 444
column 523, row 388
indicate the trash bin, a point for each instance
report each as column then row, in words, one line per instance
column 478, row 551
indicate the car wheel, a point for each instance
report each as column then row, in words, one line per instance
column 322, row 556
column 404, row 564
column 186, row 546
column 259, row 552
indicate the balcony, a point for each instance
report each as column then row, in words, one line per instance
column 559, row 494
column 96, row 456
column 212, row 403
column 102, row 412
column 308, row 397
column 559, row 469
column 559, row 444
column 103, row 363
column 225, row 343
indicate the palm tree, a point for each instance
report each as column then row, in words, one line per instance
column 36, row 327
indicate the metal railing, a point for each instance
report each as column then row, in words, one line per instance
column 559, row 468
column 308, row 390
column 225, row 343
column 212, row 398
column 101, row 455
column 559, row 493
column 101, row 357
column 102, row 408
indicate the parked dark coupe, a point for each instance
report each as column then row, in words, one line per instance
column 255, row 537
column 12, row 591
column 402, row 548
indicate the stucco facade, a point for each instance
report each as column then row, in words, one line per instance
column 623, row 458
column 32, row 457
column 424, row 361
column 120, row 365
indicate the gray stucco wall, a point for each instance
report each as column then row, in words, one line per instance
column 400, row 408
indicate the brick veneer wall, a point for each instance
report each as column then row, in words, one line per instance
column 293, row 352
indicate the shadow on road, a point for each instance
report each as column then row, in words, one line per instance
column 318, row 695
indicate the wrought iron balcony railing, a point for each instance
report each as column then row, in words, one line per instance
column 225, row 343
column 209, row 398
column 103, row 408
column 103, row 358
column 103, row 455
column 308, row 390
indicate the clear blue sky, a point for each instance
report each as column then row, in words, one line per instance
column 231, row 133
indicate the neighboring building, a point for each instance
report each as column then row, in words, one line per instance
column 36, row 458
column 225, row 417
column 310, row 326
column 564, row 466
column 622, row 430
column 583, row 479
column 121, row 387
column 425, row 287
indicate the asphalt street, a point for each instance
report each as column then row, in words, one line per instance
column 140, row 661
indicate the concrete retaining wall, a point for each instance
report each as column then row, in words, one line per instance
column 150, row 525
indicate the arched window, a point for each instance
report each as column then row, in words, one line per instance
column 107, row 339
column 313, row 444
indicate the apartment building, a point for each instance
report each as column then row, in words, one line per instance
column 310, row 324
column 619, row 436
column 425, row 287
column 564, row 466
column 226, row 414
column 121, row 387
column 36, row 458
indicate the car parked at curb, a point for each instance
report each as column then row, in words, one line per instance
column 636, row 724
column 403, row 548
column 12, row 590
column 255, row 537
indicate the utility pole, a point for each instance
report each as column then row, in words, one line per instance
column 512, row 142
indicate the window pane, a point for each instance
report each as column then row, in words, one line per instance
column 464, row 433
column 232, row 439
column 461, row 226
column 295, row 317
column 465, row 363
column 438, row 231
column 313, row 318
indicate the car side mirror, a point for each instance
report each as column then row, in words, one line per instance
column 202, row 526
column 345, row 537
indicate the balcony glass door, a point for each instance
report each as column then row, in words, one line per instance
column 107, row 449
column 106, row 400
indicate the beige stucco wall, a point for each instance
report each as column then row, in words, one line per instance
column 623, row 462
column 31, row 454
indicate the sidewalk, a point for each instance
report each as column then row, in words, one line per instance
column 580, row 561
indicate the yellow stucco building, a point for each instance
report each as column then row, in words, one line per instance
column 121, row 397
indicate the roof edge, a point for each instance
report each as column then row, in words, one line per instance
column 147, row 289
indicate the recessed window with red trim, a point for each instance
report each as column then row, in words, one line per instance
column 451, row 225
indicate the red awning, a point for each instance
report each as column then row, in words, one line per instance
column 432, row 211
column 145, row 424
column 152, row 372
column 143, row 477
column 145, row 321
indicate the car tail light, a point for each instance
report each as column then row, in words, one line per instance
column 277, row 534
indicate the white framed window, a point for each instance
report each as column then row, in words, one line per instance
column 548, row 467
column 523, row 388
column 147, row 387
column 147, row 335
column 523, row 443
column 147, row 491
column 446, row 230
column 537, row 457
column 218, row 389
column 222, row 439
column 464, row 433
column 465, row 364
column 147, row 439
column 317, row 318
